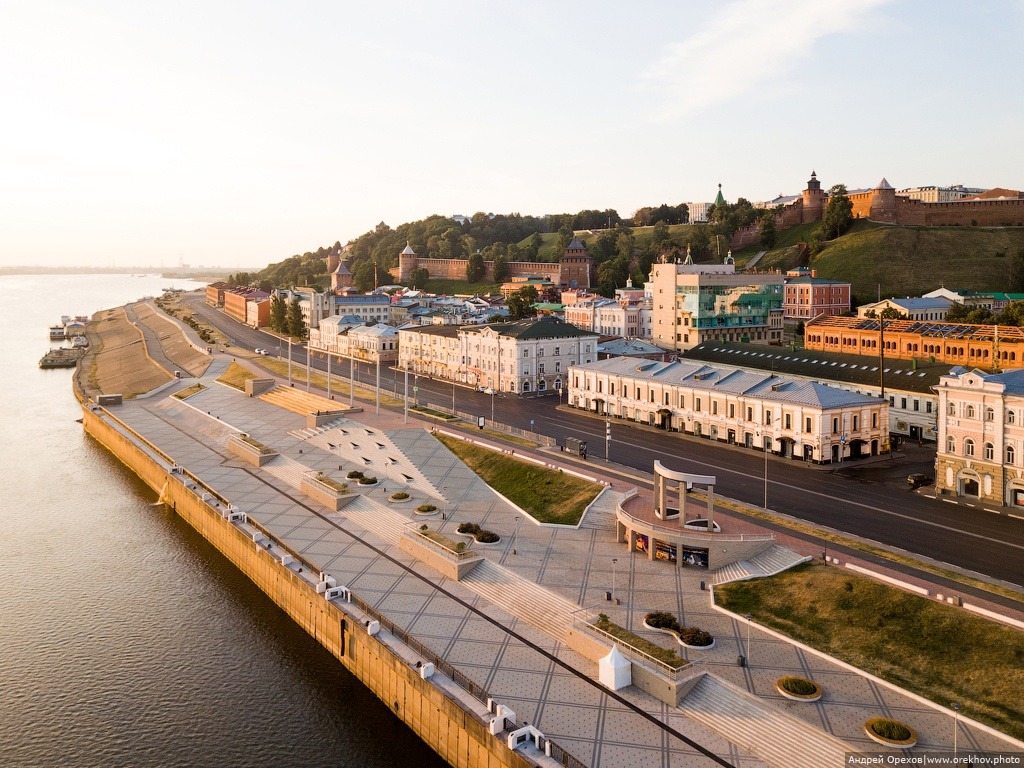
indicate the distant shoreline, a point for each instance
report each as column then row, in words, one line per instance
column 169, row 274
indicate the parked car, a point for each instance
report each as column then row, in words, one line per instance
column 918, row 479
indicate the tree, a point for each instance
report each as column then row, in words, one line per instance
column 278, row 312
column 838, row 213
column 418, row 277
column 891, row 313
column 362, row 276
column 501, row 268
column 475, row 268
column 768, row 232
column 520, row 303
column 295, row 326
column 1015, row 284
column 1012, row 314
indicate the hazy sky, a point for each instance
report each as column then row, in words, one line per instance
column 239, row 133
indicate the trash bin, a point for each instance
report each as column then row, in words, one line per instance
column 608, row 596
column 703, row 586
column 741, row 661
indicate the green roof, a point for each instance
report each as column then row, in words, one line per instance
column 534, row 328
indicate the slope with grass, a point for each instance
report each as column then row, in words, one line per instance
column 930, row 648
column 548, row 495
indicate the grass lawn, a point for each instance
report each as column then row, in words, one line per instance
column 933, row 649
column 548, row 495
column 189, row 391
column 236, row 376
column 460, row 287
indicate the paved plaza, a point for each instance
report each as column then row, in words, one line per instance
column 504, row 625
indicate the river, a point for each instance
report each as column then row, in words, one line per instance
column 126, row 639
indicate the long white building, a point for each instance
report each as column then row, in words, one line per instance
column 806, row 420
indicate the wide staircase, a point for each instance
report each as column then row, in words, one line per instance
column 601, row 514
column 773, row 560
column 287, row 470
column 376, row 519
column 522, row 598
column 298, row 401
column 761, row 729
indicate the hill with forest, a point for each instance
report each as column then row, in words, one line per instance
column 900, row 261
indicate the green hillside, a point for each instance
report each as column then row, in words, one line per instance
column 904, row 261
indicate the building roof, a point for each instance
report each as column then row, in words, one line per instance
column 380, row 329
column 719, row 199
column 575, row 245
column 883, row 184
column 831, row 366
column 918, row 304
column 807, row 280
column 734, row 381
column 535, row 328
column 408, row 251
column 930, row 328
column 1012, row 380
column 362, row 298
column 342, row 269
column 620, row 347
column 432, row 330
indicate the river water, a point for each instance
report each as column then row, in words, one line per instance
column 126, row 639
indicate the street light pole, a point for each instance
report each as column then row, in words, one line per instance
column 956, row 725
column 515, row 536
column 614, row 561
column 406, row 418
column 492, row 406
column 607, row 435
column 748, row 617
column 289, row 361
column 766, row 476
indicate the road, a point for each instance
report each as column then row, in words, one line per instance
column 871, row 502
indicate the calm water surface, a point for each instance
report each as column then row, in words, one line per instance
column 126, row 639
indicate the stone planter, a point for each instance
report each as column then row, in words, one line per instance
column 399, row 501
column 359, row 485
column 678, row 640
column 809, row 698
column 907, row 743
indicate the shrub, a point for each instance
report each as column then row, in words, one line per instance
column 469, row 528
column 460, row 547
column 399, row 496
column 893, row 730
column 662, row 620
column 798, row 686
column 487, row 537
column 355, row 474
column 424, row 527
column 696, row 636
column 367, row 480
column 426, row 508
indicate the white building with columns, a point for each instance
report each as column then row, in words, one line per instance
column 981, row 436
column 807, row 420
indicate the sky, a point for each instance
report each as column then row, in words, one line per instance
column 236, row 134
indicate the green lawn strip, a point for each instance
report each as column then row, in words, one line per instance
column 236, row 376
column 641, row 644
column 933, row 649
column 263, row 449
column 456, row 547
column 895, row 557
column 548, row 495
column 189, row 391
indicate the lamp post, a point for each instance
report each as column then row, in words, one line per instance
column 515, row 536
column 614, row 561
column 842, row 449
column 607, row 435
column 492, row 406
column 956, row 724
column 748, row 617
column 765, row 438
column 289, row 361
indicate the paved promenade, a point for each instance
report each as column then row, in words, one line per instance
column 504, row 625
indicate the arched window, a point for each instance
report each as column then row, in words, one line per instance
column 1010, row 454
column 990, row 414
column 989, row 452
column 951, row 409
column 950, row 444
column 968, row 447
column 1009, row 417
column 969, row 412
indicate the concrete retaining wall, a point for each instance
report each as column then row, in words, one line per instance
column 457, row 735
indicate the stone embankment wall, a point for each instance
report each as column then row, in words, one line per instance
column 457, row 735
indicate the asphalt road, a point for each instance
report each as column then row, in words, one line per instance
column 871, row 502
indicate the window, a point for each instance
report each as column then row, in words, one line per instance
column 990, row 414
column 903, row 403
column 696, row 403
column 969, row 412
column 1010, row 456
column 917, row 405
column 950, row 444
column 928, row 406
column 652, row 396
column 874, row 420
column 951, row 409
column 557, row 352
column 968, row 447
column 750, row 414
column 732, row 410
column 1010, row 417
column 856, row 423
column 526, row 353
column 787, row 421
column 807, row 424
column 835, row 426
column 682, row 401
column 989, row 451
column 767, row 417
column 714, row 407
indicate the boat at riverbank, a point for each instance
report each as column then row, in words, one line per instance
column 62, row 357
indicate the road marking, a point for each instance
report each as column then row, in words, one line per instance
column 718, row 469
